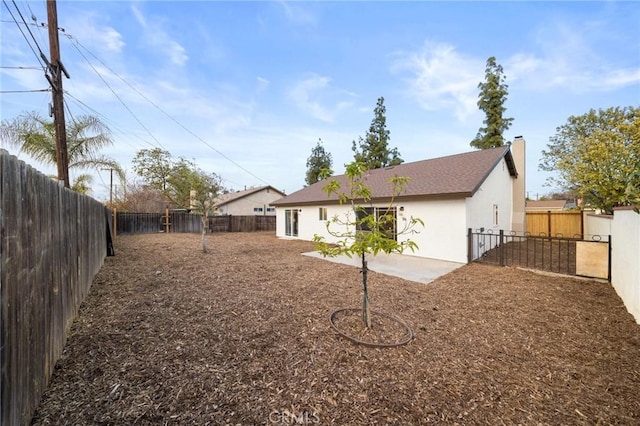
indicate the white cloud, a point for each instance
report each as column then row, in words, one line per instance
column 297, row 14
column 622, row 77
column 95, row 35
column 155, row 36
column 307, row 95
column 441, row 78
column 566, row 58
column 263, row 84
column 111, row 39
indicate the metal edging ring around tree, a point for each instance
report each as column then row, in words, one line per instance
column 406, row 338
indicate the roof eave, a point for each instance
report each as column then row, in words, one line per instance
column 375, row 200
column 511, row 165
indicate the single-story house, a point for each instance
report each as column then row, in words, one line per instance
column 249, row 202
column 548, row 205
column 481, row 190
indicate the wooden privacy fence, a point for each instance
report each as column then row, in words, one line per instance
column 564, row 223
column 53, row 243
column 146, row 223
column 242, row 223
column 140, row 223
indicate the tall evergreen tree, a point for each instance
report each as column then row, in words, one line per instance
column 318, row 164
column 373, row 151
column 493, row 94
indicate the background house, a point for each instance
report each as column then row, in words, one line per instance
column 250, row 202
column 548, row 205
column 482, row 189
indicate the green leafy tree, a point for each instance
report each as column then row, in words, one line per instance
column 184, row 178
column 86, row 137
column 359, row 232
column 319, row 164
column 597, row 155
column 493, row 94
column 154, row 166
column 174, row 178
column 373, row 150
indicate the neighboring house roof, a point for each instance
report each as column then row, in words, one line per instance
column 453, row 176
column 546, row 205
column 233, row 196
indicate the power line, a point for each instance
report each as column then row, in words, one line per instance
column 38, row 57
column 160, row 109
column 25, row 91
column 20, row 68
column 96, row 112
column 118, row 97
column 35, row 23
column 27, row 26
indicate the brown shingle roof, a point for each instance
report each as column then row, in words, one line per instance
column 232, row 196
column 546, row 204
column 456, row 176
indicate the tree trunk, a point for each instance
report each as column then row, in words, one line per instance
column 366, row 313
column 205, row 221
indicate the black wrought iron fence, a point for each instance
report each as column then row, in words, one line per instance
column 558, row 254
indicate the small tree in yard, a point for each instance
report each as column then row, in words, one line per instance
column 204, row 190
column 359, row 232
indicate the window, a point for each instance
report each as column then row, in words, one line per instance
column 495, row 215
column 322, row 213
column 271, row 209
column 384, row 218
column 257, row 209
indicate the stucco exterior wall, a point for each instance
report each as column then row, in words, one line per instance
column 496, row 190
column 442, row 237
column 625, row 258
column 245, row 206
column 597, row 224
column 444, row 233
column 519, row 218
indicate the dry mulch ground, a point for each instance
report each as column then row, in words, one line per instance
column 241, row 335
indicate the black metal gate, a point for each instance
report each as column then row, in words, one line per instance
column 572, row 256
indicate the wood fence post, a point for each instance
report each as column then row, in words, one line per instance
column 166, row 220
column 501, row 247
column 469, row 246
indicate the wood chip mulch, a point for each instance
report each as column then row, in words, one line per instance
column 241, row 335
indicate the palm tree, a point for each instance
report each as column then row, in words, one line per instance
column 86, row 136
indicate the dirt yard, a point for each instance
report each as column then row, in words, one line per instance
column 241, row 335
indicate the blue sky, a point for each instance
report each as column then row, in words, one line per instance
column 246, row 89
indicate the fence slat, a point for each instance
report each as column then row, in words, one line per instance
column 140, row 223
column 555, row 223
column 53, row 242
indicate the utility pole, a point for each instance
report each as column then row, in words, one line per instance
column 110, row 186
column 56, row 69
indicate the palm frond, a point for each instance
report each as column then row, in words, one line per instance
column 81, row 184
column 101, row 163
